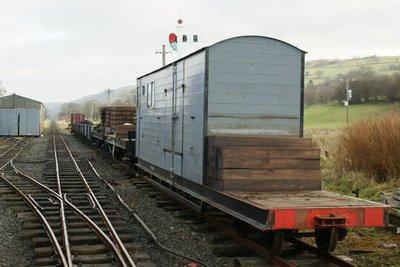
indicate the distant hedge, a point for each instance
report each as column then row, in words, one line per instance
column 366, row 84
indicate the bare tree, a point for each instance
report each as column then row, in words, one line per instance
column 3, row 90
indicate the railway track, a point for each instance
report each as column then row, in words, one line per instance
column 231, row 237
column 12, row 150
column 249, row 247
column 67, row 217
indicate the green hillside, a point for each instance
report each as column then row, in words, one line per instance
column 327, row 69
column 334, row 116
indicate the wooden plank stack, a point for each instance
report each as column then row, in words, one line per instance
column 121, row 131
column 115, row 117
column 260, row 163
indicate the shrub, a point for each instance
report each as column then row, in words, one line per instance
column 371, row 146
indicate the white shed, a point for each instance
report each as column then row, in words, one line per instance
column 20, row 116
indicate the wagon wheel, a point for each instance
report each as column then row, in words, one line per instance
column 273, row 242
column 326, row 239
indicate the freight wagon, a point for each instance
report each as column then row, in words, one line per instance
column 77, row 118
column 223, row 128
column 115, row 134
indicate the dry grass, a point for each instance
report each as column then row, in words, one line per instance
column 370, row 146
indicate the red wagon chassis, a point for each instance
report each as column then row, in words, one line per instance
column 314, row 209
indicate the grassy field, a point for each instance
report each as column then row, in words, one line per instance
column 334, row 116
column 331, row 68
column 322, row 124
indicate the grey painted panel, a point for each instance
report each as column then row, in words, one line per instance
column 255, row 58
column 154, row 127
column 193, row 118
column 257, row 89
column 253, row 99
column 260, row 68
column 255, row 44
column 29, row 121
column 252, row 78
column 8, row 122
column 254, row 87
column 248, row 110
column 252, row 126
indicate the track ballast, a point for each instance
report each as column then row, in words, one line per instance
column 67, row 217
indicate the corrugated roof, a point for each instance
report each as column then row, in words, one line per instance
column 17, row 101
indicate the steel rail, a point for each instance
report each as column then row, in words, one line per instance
column 12, row 147
column 141, row 222
column 314, row 250
column 49, row 230
column 78, row 212
column 246, row 242
column 62, row 207
column 260, row 250
column 230, row 232
column 105, row 218
column 97, row 229
column 35, row 209
column 18, row 152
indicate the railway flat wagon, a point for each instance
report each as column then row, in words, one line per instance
column 223, row 128
column 83, row 129
column 77, row 118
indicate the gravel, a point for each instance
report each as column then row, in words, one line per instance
column 171, row 231
column 33, row 160
column 15, row 249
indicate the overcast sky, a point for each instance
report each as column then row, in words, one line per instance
column 54, row 50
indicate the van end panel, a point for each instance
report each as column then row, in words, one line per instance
column 254, row 87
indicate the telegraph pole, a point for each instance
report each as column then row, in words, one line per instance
column 163, row 52
column 108, row 91
column 349, row 94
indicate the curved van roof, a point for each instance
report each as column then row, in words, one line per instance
column 220, row 42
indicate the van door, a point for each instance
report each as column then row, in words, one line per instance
column 174, row 117
column 178, row 113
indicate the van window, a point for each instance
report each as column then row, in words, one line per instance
column 150, row 94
